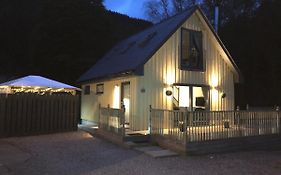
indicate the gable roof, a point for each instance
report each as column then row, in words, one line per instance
column 129, row 56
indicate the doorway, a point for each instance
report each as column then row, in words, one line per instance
column 191, row 97
column 125, row 100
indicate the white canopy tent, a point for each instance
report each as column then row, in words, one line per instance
column 35, row 84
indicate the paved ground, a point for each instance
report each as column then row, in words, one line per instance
column 80, row 153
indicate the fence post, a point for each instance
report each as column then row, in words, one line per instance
column 122, row 120
column 99, row 119
column 278, row 120
column 108, row 117
column 150, row 119
column 238, row 120
column 185, row 129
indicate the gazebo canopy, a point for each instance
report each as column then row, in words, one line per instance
column 37, row 83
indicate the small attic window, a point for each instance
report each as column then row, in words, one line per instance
column 131, row 44
column 147, row 39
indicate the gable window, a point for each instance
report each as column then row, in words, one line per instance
column 191, row 50
column 87, row 90
column 99, row 89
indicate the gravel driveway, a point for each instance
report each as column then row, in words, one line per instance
column 80, row 153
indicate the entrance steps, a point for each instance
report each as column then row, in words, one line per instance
column 156, row 151
column 137, row 141
column 136, row 137
column 147, row 148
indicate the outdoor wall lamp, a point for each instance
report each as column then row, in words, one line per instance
column 223, row 95
column 169, row 92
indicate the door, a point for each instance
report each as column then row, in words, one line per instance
column 125, row 100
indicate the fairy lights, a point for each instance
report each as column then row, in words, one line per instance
column 37, row 90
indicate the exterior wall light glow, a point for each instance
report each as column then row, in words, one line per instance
column 214, row 81
column 116, row 97
column 169, row 79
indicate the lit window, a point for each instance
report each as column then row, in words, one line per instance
column 99, row 89
column 192, row 97
column 191, row 50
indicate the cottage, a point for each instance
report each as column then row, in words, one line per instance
column 179, row 64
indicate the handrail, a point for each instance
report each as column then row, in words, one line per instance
column 112, row 120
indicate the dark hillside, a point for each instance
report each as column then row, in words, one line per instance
column 58, row 39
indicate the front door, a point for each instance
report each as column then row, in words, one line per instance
column 125, row 100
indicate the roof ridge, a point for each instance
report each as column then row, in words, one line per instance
column 165, row 20
column 177, row 14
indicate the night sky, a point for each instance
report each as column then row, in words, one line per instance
column 132, row 8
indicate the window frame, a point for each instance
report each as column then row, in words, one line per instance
column 190, row 86
column 201, row 68
column 98, row 90
column 87, row 90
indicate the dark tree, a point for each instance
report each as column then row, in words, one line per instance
column 58, row 39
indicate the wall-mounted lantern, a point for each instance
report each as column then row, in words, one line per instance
column 169, row 92
column 223, row 95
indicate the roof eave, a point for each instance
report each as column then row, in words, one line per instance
column 122, row 74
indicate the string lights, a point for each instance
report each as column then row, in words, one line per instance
column 37, row 90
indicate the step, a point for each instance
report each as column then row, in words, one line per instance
column 131, row 144
column 136, row 138
column 156, row 151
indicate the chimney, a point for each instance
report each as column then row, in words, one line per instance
column 217, row 4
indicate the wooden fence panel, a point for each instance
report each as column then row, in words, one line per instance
column 31, row 114
column 2, row 115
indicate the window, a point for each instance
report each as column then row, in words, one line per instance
column 192, row 97
column 87, row 90
column 191, row 50
column 99, row 89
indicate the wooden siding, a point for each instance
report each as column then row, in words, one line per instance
column 162, row 70
column 90, row 103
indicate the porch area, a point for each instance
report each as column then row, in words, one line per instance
column 214, row 131
column 197, row 132
column 112, row 126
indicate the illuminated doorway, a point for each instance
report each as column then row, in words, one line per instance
column 125, row 100
column 191, row 97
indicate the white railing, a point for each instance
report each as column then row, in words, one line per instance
column 184, row 126
column 112, row 120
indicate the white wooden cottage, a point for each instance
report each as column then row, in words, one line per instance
column 179, row 63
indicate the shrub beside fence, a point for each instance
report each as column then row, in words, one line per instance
column 31, row 114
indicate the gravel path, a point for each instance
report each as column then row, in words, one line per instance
column 80, row 153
